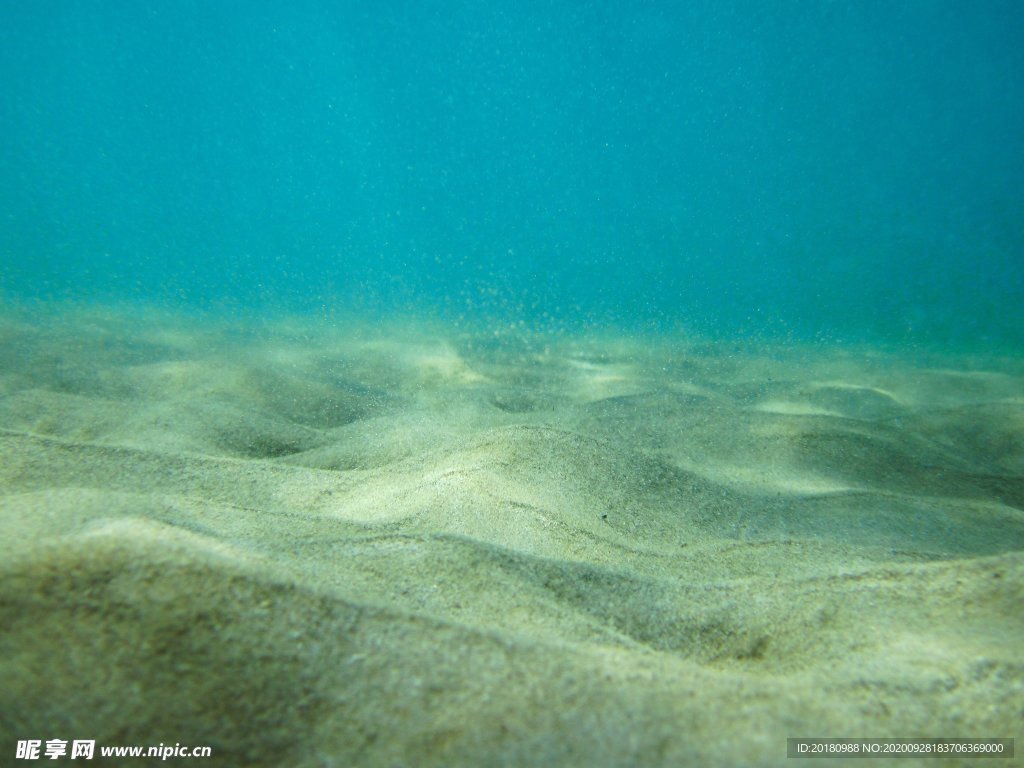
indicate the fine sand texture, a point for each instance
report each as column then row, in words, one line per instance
column 341, row 543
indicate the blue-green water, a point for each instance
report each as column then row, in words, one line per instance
column 833, row 169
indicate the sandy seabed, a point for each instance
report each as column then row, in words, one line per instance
column 358, row 544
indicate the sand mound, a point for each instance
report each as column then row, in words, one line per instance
column 304, row 545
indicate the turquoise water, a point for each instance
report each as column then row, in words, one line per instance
column 828, row 170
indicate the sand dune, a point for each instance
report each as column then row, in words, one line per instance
column 315, row 544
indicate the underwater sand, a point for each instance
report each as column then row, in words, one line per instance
column 341, row 544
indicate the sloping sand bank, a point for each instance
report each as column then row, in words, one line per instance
column 334, row 544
